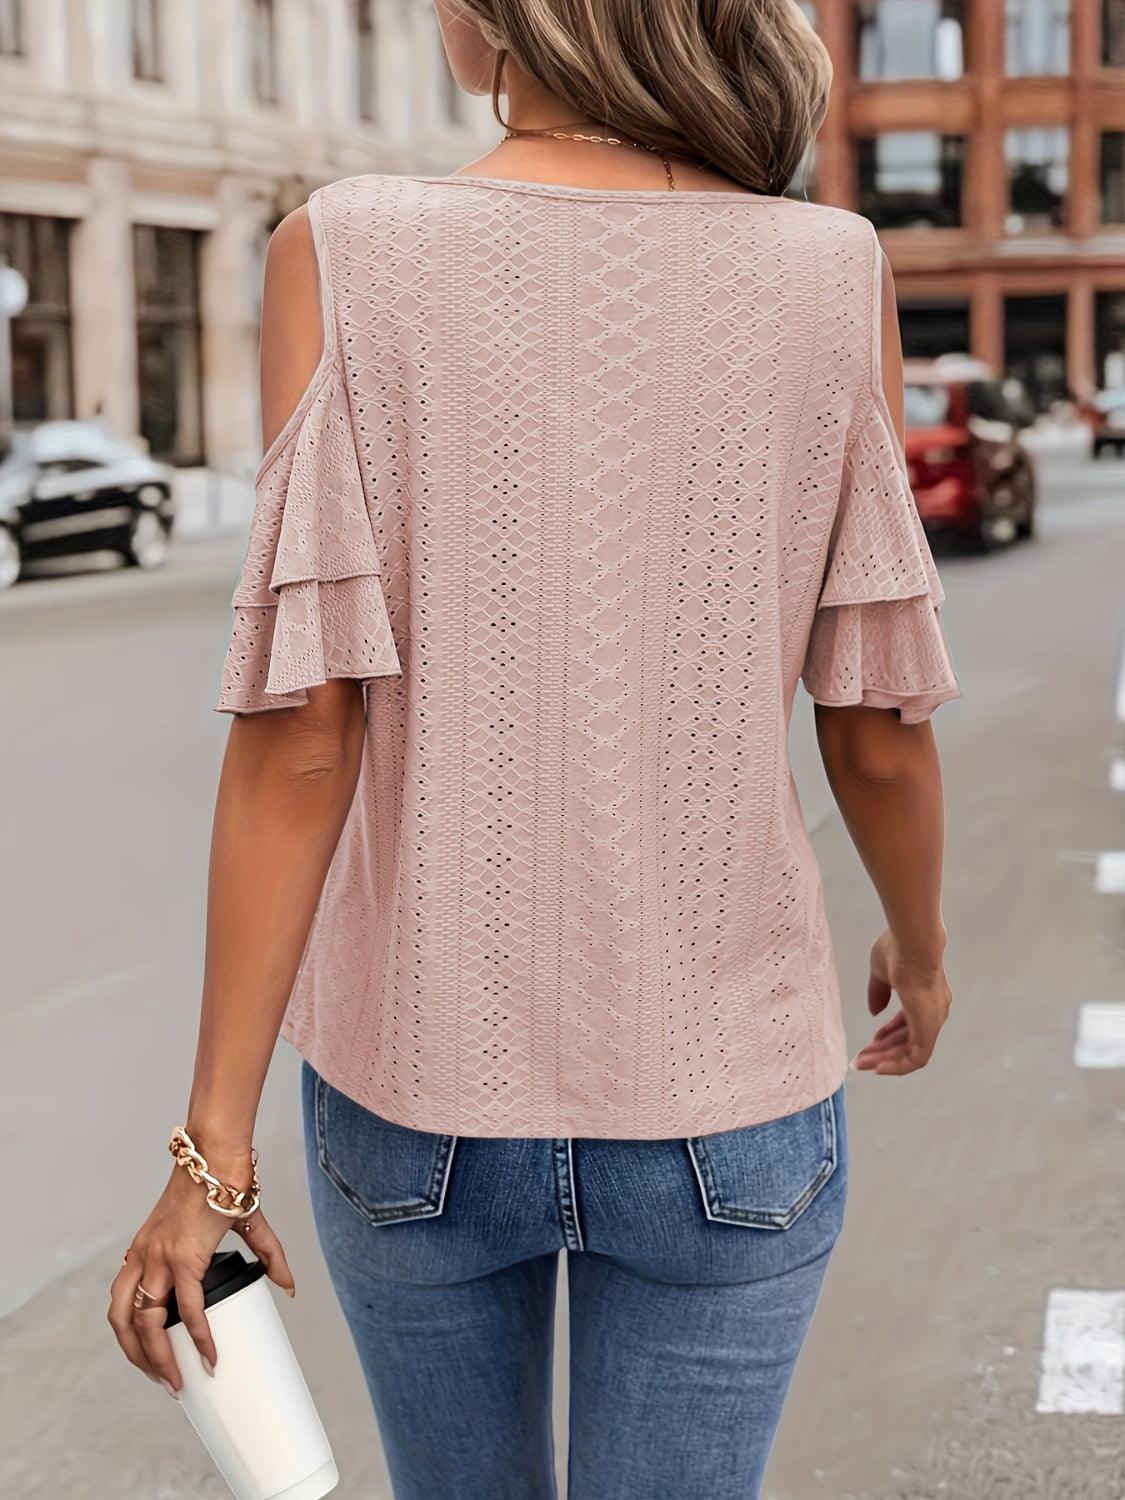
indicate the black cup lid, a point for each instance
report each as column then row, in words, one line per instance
column 229, row 1272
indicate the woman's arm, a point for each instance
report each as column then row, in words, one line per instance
column 287, row 783
column 288, row 779
column 886, row 780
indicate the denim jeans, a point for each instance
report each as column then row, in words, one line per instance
column 693, row 1265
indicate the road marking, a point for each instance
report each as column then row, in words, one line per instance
column 1100, row 1041
column 1109, row 873
column 1083, row 1370
column 1117, row 775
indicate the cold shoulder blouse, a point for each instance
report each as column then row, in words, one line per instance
column 585, row 481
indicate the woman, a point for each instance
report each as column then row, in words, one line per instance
column 577, row 460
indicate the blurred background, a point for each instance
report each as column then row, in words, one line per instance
column 971, row 1338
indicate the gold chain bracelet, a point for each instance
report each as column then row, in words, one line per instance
column 223, row 1198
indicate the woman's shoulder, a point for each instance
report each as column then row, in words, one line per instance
column 367, row 207
column 840, row 225
column 363, row 189
column 836, row 246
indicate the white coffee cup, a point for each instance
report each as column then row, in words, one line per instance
column 255, row 1414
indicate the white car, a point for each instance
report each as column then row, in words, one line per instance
column 1109, row 422
column 69, row 488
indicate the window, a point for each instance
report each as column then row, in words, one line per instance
column 146, row 40
column 1037, row 37
column 1035, row 345
column 1113, row 33
column 1038, row 170
column 925, row 405
column 169, row 369
column 367, row 59
column 809, row 8
column 932, row 326
column 263, row 51
column 910, row 178
column 39, row 249
column 910, row 39
column 1113, row 177
column 1000, row 401
column 1109, row 340
column 11, row 28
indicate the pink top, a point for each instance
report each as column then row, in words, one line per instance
column 584, row 482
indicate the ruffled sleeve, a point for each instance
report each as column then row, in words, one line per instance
column 309, row 604
column 877, row 637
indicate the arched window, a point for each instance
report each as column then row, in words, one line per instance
column 147, row 58
column 263, row 51
column 367, row 59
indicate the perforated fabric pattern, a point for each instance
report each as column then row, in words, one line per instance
column 565, row 494
column 308, row 604
column 876, row 638
column 887, row 654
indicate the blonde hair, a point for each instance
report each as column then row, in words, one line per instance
column 741, row 85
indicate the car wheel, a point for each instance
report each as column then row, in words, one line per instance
column 11, row 558
column 1000, row 518
column 148, row 541
column 1025, row 492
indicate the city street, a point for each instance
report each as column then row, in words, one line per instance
column 984, row 1192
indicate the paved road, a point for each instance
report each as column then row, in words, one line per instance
column 977, row 1188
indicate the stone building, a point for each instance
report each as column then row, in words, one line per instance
column 147, row 148
column 986, row 139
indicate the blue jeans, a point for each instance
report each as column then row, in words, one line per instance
column 693, row 1264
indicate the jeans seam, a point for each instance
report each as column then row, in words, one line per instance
column 562, row 1155
column 426, row 1207
column 757, row 1218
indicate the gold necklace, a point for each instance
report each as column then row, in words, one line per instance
column 557, row 133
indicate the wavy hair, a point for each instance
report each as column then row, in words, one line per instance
column 741, row 85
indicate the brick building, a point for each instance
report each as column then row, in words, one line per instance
column 986, row 140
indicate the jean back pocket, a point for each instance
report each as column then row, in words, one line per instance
column 767, row 1175
column 389, row 1173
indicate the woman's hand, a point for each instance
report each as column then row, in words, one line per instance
column 907, row 1042
column 173, row 1249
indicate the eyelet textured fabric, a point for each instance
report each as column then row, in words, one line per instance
column 583, row 485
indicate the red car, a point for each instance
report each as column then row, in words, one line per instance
column 968, row 470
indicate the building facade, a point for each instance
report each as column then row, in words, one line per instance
column 147, row 149
column 986, row 139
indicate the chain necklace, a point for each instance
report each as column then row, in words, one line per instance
column 557, row 133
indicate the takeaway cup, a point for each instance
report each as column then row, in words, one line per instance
column 255, row 1414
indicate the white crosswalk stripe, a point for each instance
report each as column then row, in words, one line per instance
column 1083, row 1368
column 1100, row 1039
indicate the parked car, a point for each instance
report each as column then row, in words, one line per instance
column 968, row 470
column 1105, row 413
column 68, row 488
